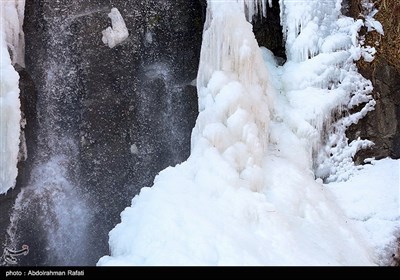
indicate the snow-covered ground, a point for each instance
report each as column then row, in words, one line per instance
column 371, row 198
column 248, row 195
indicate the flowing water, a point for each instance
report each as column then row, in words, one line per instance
column 108, row 120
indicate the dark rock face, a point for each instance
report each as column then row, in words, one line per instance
column 28, row 99
column 396, row 257
column 268, row 31
column 381, row 126
column 112, row 118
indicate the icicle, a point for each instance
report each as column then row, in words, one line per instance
column 12, row 14
column 253, row 7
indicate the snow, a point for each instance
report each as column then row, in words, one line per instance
column 10, row 115
column 205, row 221
column 247, row 195
column 116, row 34
column 372, row 199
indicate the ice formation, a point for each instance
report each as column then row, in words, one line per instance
column 247, row 195
column 231, row 83
column 12, row 14
column 322, row 46
column 369, row 12
column 11, row 52
column 116, row 34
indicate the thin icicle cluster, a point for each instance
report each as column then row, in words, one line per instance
column 10, row 114
column 306, row 24
column 254, row 7
column 12, row 15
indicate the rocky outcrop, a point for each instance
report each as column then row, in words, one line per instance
column 382, row 126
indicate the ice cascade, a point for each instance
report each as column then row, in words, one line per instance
column 239, row 199
column 11, row 52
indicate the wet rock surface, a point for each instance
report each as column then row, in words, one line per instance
column 115, row 116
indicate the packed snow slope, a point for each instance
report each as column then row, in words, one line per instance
column 248, row 195
column 11, row 52
column 371, row 198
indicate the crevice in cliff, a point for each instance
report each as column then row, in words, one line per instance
column 269, row 32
